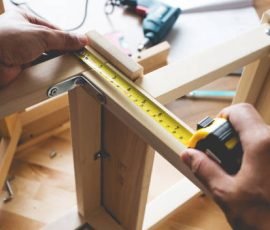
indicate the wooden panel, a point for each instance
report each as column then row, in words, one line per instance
column 7, row 125
column 185, row 75
column 8, row 152
column 126, row 173
column 85, row 128
column 117, row 58
column 45, row 124
column 262, row 104
column 43, row 109
column 31, row 86
column 154, row 57
column 1, row 7
column 252, row 81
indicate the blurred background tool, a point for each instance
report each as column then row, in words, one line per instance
column 158, row 21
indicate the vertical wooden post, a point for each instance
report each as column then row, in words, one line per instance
column 255, row 83
column 126, row 173
column 10, row 131
column 85, row 130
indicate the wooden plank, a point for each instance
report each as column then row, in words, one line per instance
column 31, row 86
column 44, row 125
column 43, row 109
column 254, row 84
column 167, row 202
column 117, row 58
column 7, row 156
column 154, row 57
column 252, row 81
column 2, row 9
column 262, row 103
column 186, row 75
column 85, row 120
column 7, row 125
column 23, row 146
column 126, row 172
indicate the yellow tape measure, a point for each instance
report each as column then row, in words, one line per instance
column 135, row 96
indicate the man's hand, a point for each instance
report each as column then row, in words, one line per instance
column 244, row 197
column 24, row 37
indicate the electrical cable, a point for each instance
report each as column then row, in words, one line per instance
column 38, row 15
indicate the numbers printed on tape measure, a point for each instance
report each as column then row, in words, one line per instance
column 135, row 96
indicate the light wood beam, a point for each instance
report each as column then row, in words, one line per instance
column 126, row 172
column 85, row 115
column 2, row 9
column 32, row 85
column 186, row 75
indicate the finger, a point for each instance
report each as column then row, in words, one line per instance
column 63, row 41
column 208, row 171
column 242, row 116
column 246, row 121
column 8, row 74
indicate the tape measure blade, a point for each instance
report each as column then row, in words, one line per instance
column 143, row 101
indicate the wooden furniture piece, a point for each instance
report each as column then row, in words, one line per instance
column 112, row 191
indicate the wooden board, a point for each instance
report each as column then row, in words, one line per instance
column 1, row 7
column 126, row 172
column 85, row 127
column 186, row 75
column 8, row 150
column 32, row 85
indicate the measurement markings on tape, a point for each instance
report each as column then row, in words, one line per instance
column 135, row 96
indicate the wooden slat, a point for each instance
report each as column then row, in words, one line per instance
column 251, row 81
column 85, row 129
column 154, row 57
column 43, row 109
column 32, row 85
column 167, row 202
column 126, row 173
column 23, row 146
column 186, row 75
column 8, row 152
column 255, row 83
column 262, row 103
column 117, row 58
column 7, row 125
column 2, row 9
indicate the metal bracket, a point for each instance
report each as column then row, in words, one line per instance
column 71, row 83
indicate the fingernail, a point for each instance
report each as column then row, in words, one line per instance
column 83, row 39
column 187, row 159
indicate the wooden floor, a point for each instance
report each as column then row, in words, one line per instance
column 44, row 191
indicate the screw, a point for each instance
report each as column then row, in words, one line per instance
column 52, row 92
column 267, row 31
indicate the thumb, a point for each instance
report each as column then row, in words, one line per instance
column 208, row 171
column 64, row 41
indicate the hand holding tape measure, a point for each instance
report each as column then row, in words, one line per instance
column 218, row 139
